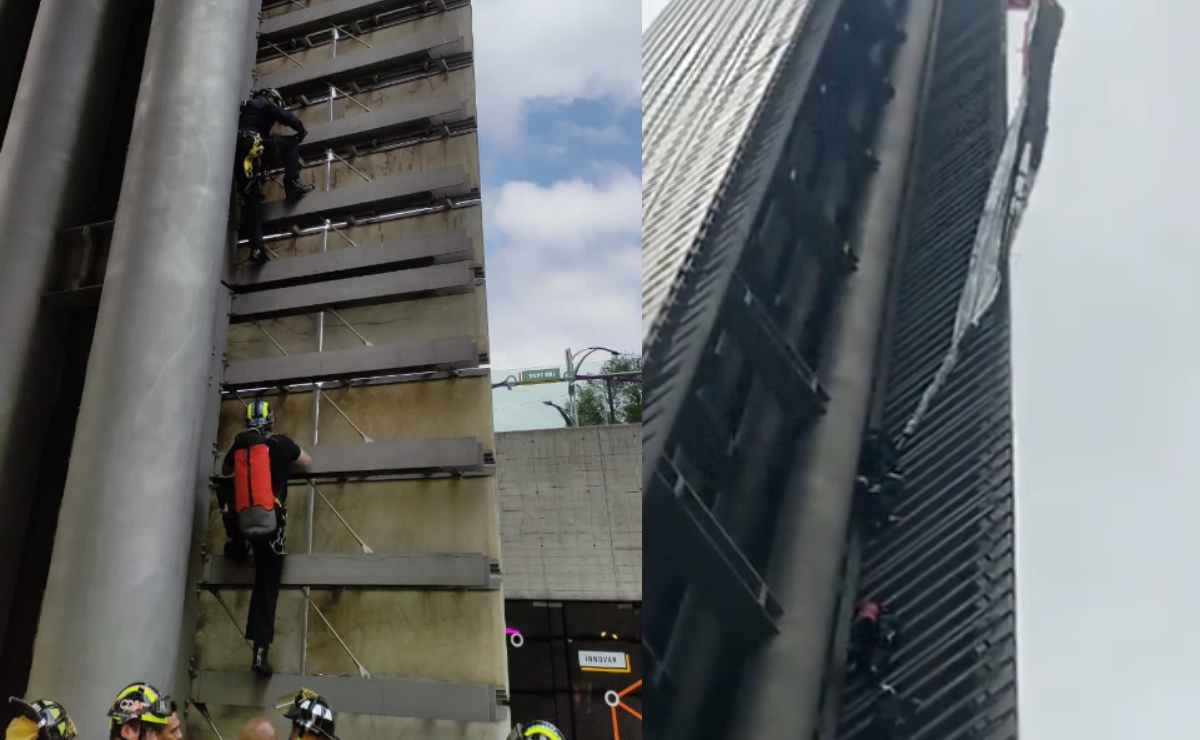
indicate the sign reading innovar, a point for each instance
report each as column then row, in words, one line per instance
column 603, row 662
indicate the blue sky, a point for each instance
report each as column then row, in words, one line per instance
column 559, row 91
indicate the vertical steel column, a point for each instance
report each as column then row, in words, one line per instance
column 55, row 136
column 806, row 569
column 115, row 594
column 16, row 25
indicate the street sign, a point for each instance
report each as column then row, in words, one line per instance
column 603, row 662
column 545, row 375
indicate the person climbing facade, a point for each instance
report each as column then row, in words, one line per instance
column 256, row 147
column 259, row 462
column 312, row 717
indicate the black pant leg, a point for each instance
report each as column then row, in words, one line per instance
column 268, row 572
column 287, row 152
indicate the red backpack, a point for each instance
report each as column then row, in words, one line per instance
column 253, row 496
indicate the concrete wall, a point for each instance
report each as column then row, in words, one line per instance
column 571, row 513
column 430, row 635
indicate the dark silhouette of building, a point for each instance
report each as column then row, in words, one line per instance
column 831, row 189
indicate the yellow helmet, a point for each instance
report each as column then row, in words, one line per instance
column 259, row 414
column 140, row 701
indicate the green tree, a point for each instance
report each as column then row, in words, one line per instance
column 596, row 397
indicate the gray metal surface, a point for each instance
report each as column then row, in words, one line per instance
column 806, row 564
column 426, row 572
column 458, row 277
column 384, row 123
column 381, row 194
column 311, row 367
column 948, row 567
column 126, row 521
column 48, row 164
column 388, row 458
column 414, row 49
column 380, row 697
column 320, row 17
column 412, row 251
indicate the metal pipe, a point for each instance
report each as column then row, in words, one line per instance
column 127, row 513
column 48, row 171
column 806, row 567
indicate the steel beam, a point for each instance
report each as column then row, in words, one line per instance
column 780, row 366
column 126, row 521
column 806, row 564
column 414, row 49
column 413, row 251
column 320, row 17
column 372, row 197
column 455, row 353
column 49, row 162
column 458, row 454
column 379, row 697
column 425, row 572
column 390, row 122
column 458, row 277
column 700, row 549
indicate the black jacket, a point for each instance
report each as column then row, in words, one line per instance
column 260, row 114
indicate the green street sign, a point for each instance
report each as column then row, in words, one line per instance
column 545, row 375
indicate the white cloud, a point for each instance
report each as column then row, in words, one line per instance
column 552, row 50
column 568, row 268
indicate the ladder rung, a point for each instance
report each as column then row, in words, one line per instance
column 370, row 197
column 457, row 353
column 474, row 571
column 387, row 122
column 319, row 75
column 368, row 259
column 462, row 454
column 370, row 290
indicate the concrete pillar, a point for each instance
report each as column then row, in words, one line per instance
column 55, row 136
column 114, row 600
column 806, row 571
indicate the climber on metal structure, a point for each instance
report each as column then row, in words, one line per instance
column 256, row 147
column 259, row 462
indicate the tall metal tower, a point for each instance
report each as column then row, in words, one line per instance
column 829, row 195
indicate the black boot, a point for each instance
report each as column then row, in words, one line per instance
column 259, row 256
column 296, row 189
column 260, row 664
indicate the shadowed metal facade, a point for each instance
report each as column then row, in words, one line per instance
column 748, row 339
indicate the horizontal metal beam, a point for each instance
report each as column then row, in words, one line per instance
column 391, row 287
column 414, row 251
column 380, row 697
column 391, row 122
column 454, row 353
column 371, row 197
column 777, row 363
column 319, row 17
column 413, row 49
column 457, row 454
column 432, row 571
column 84, row 297
column 695, row 545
